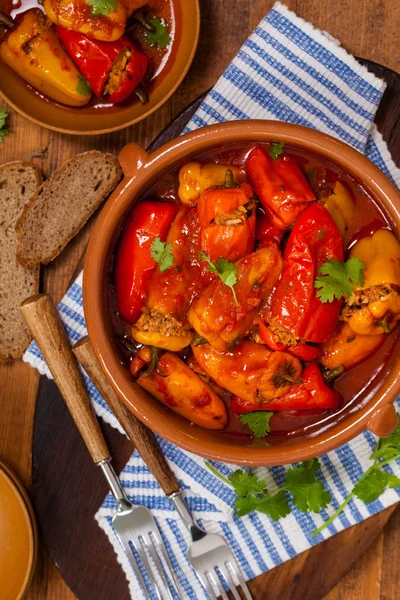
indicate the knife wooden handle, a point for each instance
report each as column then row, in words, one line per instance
column 44, row 322
column 137, row 432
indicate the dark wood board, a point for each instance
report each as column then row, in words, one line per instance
column 68, row 488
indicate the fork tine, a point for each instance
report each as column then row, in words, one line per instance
column 217, row 583
column 228, row 577
column 221, row 589
column 162, row 550
column 238, row 573
column 143, row 557
column 206, row 584
column 154, row 555
column 135, row 567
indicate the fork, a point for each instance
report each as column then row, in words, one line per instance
column 209, row 554
column 135, row 526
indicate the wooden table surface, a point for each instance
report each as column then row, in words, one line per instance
column 367, row 28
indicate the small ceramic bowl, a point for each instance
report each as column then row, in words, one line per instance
column 19, row 538
column 90, row 120
column 374, row 409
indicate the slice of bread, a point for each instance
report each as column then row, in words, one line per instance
column 63, row 204
column 19, row 181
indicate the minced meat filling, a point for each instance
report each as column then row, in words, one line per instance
column 283, row 336
column 155, row 322
column 117, row 71
column 361, row 298
column 237, row 216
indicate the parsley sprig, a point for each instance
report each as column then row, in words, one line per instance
column 275, row 150
column 160, row 36
column 258, row 422
column 162, row 254
column 225, row 270
column 307, row 493
column 337, row 278
column 375, row 480
column 3, row 117
column 102, row 7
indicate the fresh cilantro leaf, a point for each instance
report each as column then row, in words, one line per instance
column 275, row 506
column 258, row 422
column 354, row 270
column 245, row 504
column 225, row 270
column 83, row 87
column 160, row 36
column 3, row 117
column 337, row 278
column 371, row 486
column 301, row 482
column 307, row 492
column 393, row 481
column 388, row 448
column 244, row 483
column 275, row 150
column 162, row 254
column 102, row 7
column 374, row 481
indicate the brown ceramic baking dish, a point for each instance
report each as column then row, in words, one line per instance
column 374, row 410
column 94, row 119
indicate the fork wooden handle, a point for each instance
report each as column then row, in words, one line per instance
column 44, row 322
column 137, row 432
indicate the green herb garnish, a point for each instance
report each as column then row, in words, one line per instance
column 83, row 87
column 257, row 422
column 162, row 254
column 160, row 36
column 375, row 480
column 275, row 150
column 3, row 117
column 337, row 278
column 102, row 7
column 225, row 270
column 307, row 493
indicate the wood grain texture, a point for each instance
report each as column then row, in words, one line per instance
column 45, row 324
column 306, row 577
column 367, row 28
column 137, row 432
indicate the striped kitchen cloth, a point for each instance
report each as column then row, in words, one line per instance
column 288, row 71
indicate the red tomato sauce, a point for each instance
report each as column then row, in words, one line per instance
column 365, row 378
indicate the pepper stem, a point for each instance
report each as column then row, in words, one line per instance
column 6, row 22
column 229, row 182
column 285, row 375
column 143, row 22
column 331, row 374
column 155, row 355
column 384, row 324
column 141, row 93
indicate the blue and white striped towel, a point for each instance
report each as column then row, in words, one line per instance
column 289, row 71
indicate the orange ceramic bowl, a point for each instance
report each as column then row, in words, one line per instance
column 91, row 120
column 374, row 409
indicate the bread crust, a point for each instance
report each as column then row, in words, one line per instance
column 23, row 256
column 27, row 280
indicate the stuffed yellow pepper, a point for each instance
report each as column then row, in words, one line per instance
column 374, row 308
column 103, row 20
column 195, row 178
column 173, row 383
column 250, row 371
column 33, row 50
